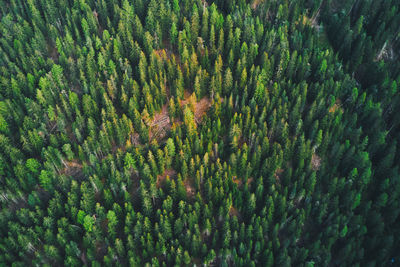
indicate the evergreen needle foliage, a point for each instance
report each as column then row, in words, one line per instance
column 196, row 132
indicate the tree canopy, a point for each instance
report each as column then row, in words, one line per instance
column 180, row 133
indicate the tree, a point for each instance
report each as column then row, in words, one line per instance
column 204, row 27
column 170, row 147
column 45, row 180
column 112, row 223
column 81, row 216
column 88, row 223
column 173, row 33
column 299, row 117
column 188, row 119
column 68, row 151
column 3, row 125
column 195, row 24
column 186, row 258
column 129, row 161
column 33, row 165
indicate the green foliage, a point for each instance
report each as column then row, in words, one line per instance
column 45, row 180
column 81, row 216
column 130, row 161
column 88, row 222
column 33, row 165
column 170, row 133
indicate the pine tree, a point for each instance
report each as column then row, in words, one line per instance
column 173, row 33
column 195, row 24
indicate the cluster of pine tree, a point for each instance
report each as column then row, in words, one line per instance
column 193, row 132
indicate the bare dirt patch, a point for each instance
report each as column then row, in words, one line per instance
column 53, row 53
column 234, row 212
column 239, row 182
column 278, row 174
column 161, row 53
column 73, row 167
column 315, row 162
column 200, row 107
column 161, row 177
column 135, row 139
column 255, row 3
column 190, row 191
column 236, row 181
column 160, row 124
column 336, row 106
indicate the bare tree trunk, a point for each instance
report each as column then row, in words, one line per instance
column 379, row 55
column 315, row 16
column 354, row 3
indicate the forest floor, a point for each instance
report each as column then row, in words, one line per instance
column 336, row 106
column 278, row 174
column 160, row 124
column 234, row 212
column 315, row 162
column 72, row 168
column 255, row 4
column 200, row 107
column 161, row 177
column 239, row 182
column 53, row 53
column 190, row 190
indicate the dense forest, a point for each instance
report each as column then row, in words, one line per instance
column 196, row 132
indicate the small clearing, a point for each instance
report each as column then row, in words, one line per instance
column 190, row 191
column 336, row 106
column 200, row 107
column 72, row 168
column 236, row 181
column 53, row 53
column 161, row 177
column 160, row 124
column 278, row 174
column 135, row 139
column 315, row 162
column 239, row 182
column 234, row 212
column 255, row 4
